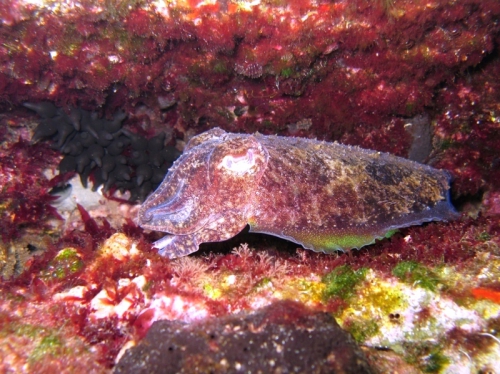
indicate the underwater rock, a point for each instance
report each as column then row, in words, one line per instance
column 421, row 146
column 102, row 150
column 323, row 196
column 284, row 337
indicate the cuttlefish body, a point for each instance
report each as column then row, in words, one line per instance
column 323, row 196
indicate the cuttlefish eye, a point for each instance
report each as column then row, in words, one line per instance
column 238, row 164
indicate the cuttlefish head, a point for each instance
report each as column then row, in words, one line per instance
column 215, row 177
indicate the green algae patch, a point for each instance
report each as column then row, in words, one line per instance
column 211, row 291
column 483, row 236
column 18, row 329
column 66, row 263
column 435, row 362
column 362, row 330
column 341, row 282
column 286, row 72
column 49, row 345
column 39, row 342
column 426, row 356
column 374, row 310
column 416, row 274
column 220, row 67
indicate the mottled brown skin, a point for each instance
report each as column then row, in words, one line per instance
column 207, row 194
column 336, row 194
column 324, row 196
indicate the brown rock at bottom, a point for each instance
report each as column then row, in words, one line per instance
column 284, row 337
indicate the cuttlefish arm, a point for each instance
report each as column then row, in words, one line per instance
column 218, row 228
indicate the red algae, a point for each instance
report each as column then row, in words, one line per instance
column 98, row 232
column 24, row 190
column 467, row 132
column 298, row 54
column 434, row 244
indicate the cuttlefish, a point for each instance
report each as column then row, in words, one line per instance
column 324, row 196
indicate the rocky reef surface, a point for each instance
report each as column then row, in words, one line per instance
column 80, row 283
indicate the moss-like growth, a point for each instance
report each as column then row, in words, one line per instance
column 416, row 274
column 287, row 72
column 67, row 262
column 435, row 362
column 363, row 330
column 484, row 236
column 446, row 144
column 220, row 67
column 342, row 281
column 424, row 355
column 50, row 345
column 40, row 341
column 19, row 329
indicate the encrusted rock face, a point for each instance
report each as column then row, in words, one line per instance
column 284, row 337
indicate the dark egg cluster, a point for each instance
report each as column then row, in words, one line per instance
column 103, row 150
